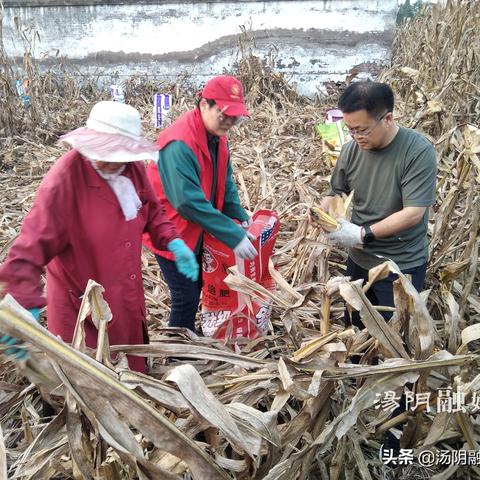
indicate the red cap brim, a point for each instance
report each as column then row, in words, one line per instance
column 233, row 109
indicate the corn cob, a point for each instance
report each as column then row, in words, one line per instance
column 322, row 218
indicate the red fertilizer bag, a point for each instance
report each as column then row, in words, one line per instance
column 226, row 313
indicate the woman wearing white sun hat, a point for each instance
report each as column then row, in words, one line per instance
column 86, row 222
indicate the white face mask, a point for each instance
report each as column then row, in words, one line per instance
column 123, row 189
column 107, row 176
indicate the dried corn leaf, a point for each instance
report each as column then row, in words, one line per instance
column 179, row 350
column 363, row 399
column 3, row 458
column 439, row 360
column 469, row 334
column 375, row 323
column 92, row 304
column 260, row 424
column 106, row 392
column 339, row 205
column 421, row 329
column 161, row 392
column 205, row 404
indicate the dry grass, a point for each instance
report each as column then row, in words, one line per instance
column 287, row 408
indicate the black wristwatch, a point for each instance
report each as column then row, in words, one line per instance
column 369, row 235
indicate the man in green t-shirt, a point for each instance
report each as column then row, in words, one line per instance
column 392, row 171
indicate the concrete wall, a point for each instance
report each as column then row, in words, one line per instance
column 78, row 3
column 311, row 41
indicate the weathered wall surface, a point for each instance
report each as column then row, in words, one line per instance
column 311, row 41
column 78, row 3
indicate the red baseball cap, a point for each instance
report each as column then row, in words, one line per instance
column 227, row 92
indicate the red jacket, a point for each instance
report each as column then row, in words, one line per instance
column 190, row 130
column 77, row 230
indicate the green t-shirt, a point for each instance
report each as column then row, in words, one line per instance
column 403, row 174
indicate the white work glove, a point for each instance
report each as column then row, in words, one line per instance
column 247, row 223
column 245, row 250
column 348, row 235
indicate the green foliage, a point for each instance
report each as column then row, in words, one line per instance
column 408, row 11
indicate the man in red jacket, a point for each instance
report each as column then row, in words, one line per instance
column 194, row 182
column 86, row 222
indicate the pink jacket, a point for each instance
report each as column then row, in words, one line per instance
column 77, row 230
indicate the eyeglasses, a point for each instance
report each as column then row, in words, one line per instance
column 228, row 120
column 355, row 132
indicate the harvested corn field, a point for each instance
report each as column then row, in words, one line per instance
column 312, row 400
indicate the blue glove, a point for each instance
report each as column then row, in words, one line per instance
column 184, row 259
column 19, row 352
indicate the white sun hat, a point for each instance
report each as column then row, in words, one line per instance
column 113, row 133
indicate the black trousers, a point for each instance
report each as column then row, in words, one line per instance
column 185, row 294
column 381, row 292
